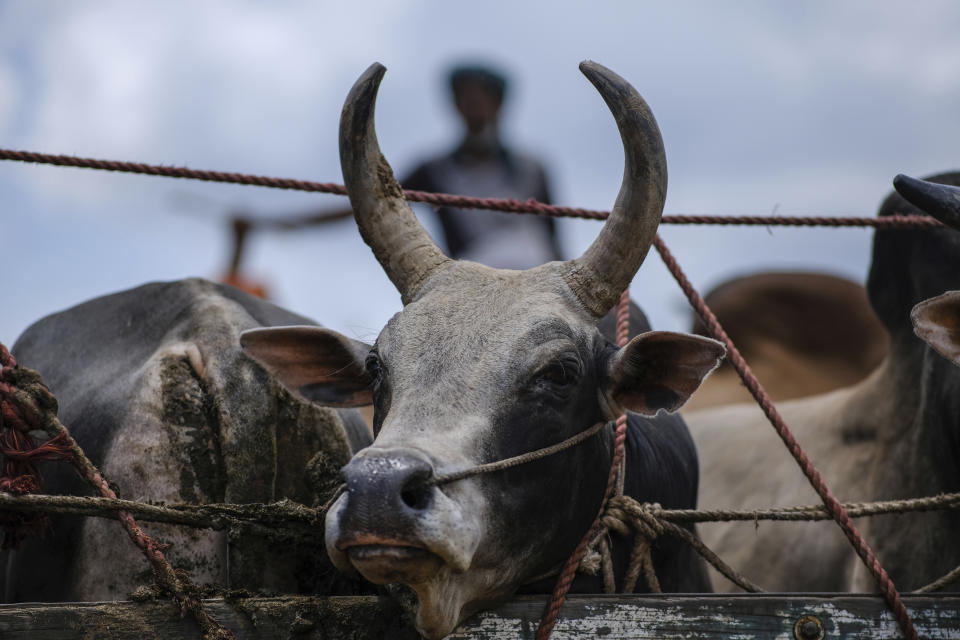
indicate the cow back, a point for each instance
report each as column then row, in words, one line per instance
column 153, row 385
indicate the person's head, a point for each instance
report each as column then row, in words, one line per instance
column 478, row 93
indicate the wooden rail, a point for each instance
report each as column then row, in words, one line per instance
column 781, row 616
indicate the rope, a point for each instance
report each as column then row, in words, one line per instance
column 276, row 514
column 812, row 513
column 276, row 519
column 645, row 531
column 648, row 523
column 940, row 583
column 450, row 200
column 23, row 399
column 516, row 460
column 562, row 587
column 272, row 518
column 833, row 506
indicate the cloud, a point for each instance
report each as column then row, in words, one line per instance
column 10, row 97
column 812, row 107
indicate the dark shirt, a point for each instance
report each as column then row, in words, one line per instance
column 495, row 238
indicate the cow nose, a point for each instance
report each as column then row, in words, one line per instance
column 389, row 481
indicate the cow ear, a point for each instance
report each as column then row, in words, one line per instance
column 660, row 370
column 937, row 322
column 318, row 364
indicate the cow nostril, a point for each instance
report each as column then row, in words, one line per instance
column 416, row 494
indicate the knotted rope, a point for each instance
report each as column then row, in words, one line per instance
column 645, row 531
column 647, row 522
column 24, row 401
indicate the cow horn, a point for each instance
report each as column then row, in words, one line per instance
column 609, row 264
column 939, row 200
column 387, row 224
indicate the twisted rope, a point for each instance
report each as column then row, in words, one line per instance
column 516, row 460
column 23, row 399
column 286, row 513
column 940, row 583
column 450, row 200
column 270, row 519
column 832, row 505
column 277, row 519
column 648, row 521
column 812, row 513
column 569, row 570
column 600, row 547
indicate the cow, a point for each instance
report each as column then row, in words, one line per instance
column 802, row 333
column 894, row 435
column 154, row 386
column 483, row 364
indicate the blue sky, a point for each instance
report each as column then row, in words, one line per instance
column 798, row 108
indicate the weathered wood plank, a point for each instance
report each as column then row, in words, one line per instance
column 623, row 617
column 712, row 617
column 286, row 618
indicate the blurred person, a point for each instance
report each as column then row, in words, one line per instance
column 481, row 165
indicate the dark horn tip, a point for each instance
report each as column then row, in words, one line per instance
column 587, row 65
column 606, row 81
column 365, row 88
column 911, row 189
column 375, row 69
column 356, row 118
column 938, row 200
column 916, row 192
column 901, row 181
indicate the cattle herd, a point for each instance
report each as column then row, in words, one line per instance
column 195, row 392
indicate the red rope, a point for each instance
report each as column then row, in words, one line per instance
column 570, row 567
column 19, row 414
column 833, row 506
column 450, row 200
column 887, row 222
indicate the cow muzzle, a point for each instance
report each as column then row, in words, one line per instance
column 393, row 525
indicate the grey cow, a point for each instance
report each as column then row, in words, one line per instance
column 154, row 386
column 483, row 364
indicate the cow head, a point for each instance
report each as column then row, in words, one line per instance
column 480, row 365
column 936, row 320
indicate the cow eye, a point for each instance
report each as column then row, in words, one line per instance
column 555, row 374
column 374, row 367
column 558, row 376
